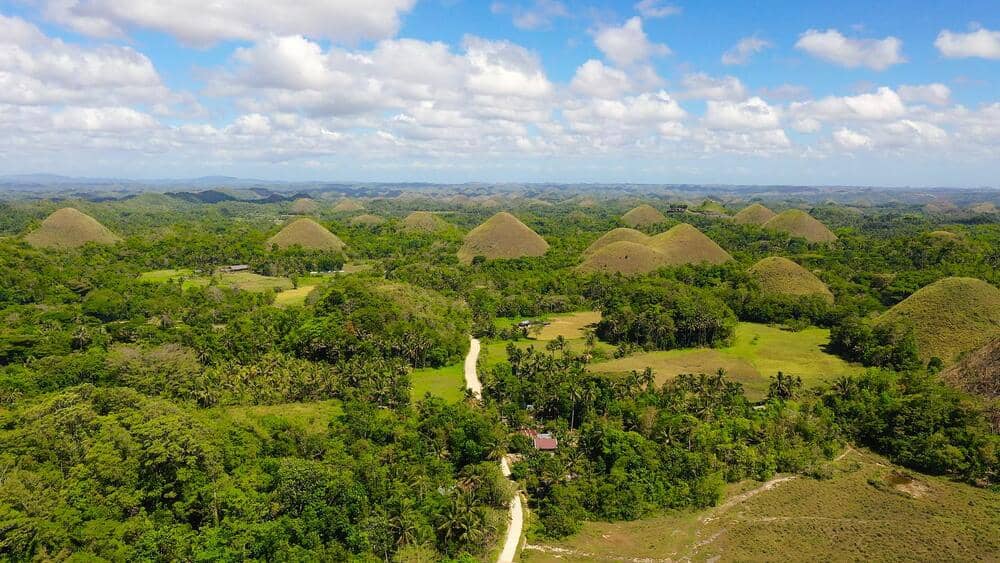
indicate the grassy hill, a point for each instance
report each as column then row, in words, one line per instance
column 617, row 235
column 623, row 257
column 70, row 228
column 685, row 244
column 304, row 206
column 423, row 222
column 755, row 214
column 643, row 216
column 502, row 236
column 780, row 275
column 347, row 206
column 367, row 220
column 307, row 233
column 978, row 372
column 949, row 316
column 798, row 223
column 711, row 206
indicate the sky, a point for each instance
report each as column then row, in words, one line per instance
column 889, row 93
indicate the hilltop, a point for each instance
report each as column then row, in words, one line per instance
column 624, row 257
column 308, row 234
column 755, row 214
column 502, row 236
column 949, row 316
column 304, row 206
column 423, row 222
column 70, row 228
column 798, row 223
column 616, row 235
column 780, row 275
column 685, row 244
column 643, row 216
column 347, row 206
column 711, row 206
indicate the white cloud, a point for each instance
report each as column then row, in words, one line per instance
column 883, row 104
column 754, row 113
column 834, row 47
column 598, row 80
column 936, row 93
column 644, row 109
column 628, row 44
column 204, row 23
column 851, row 140
column 503, row 68
column 703, row 86
column 539, row 15
column 102, row 119
column 744, row 50
column 656, row 9
column 910, row 132
column 982, row 43
column 762, row 142
column 807, row 125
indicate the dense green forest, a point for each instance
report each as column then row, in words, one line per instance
column 150, row 420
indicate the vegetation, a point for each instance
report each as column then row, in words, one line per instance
column 798, row 223
column 754, row 214
column 782, row 276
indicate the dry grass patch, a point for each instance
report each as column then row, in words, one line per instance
column 685, row 244
column 308, row 234
column 423, row 222
column 755, row 214
column 69, row 228
column 623, row 257
column 643, row 216
column 617, row 235
column 570, row 326
column 798, row 223
column 502, row 236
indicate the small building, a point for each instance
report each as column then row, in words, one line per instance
column 235, row 268
column 545, row 442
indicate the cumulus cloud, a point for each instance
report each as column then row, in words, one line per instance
column 102, row 119
column 596, row 79
column 539, row 15
column 656, row 9
column 628, row 44
column 982, row 43
column 883, row 104
column 851, row 140
column 702, row 86
column 205, row 23
column 744, row 50
column 936, row 93
column 754, row 113
column 834, row 47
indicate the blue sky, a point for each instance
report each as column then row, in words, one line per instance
column 859, row 93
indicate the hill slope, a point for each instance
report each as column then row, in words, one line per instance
column 979, row 372
column 304, row 206
column 755, row 214
column 367, row 220
column 70, row 228
column 685, row 244
column 949, row 316
column 502, row 236
column 423, row 222
column 643, row 216
column 616, row 235
column 798, row 223
column 624, row 257
column 780, row 275
column 347, row 206
column 307, row 233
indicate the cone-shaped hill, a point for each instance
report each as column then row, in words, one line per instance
column 308, row 234
column 347, row 206
column 979, row 372
column 780, row 275
column 685, row 244
column 798, row 223
column 624, row 257
column 502, row 236
column 304, row 206
column 617, row 235
column 643, row 216
column 711, row 206
column 423, row 222
column 70, row 228
column 367, row 220
column 949, row 316
column 755, row 214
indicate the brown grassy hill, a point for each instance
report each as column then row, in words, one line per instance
column 711, row 206
column 985, row 207
column 502, row 236
column 304, row 206
column 624, row 257
column 949, row 316
column 308, row 234
column 979, row 372
column 685, row 244
column 423, row 222
column 616, row 235
column 347, row 206
column 755, row 214
column 800, row 224
column 70, row 228
column 643, row 216
column 780, row 275
column 367, row 220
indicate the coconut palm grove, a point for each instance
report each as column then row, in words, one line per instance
column 533, row 281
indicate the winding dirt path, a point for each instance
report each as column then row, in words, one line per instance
column 516, row 511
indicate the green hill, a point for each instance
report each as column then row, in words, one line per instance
column 798, row 223
column 308, row 234
column 685, row 244
column 304, row 206
column 780, row 275
column 70, row 228
column 502, row 236
column 423, row 222
column 643, row 216
column 755, row 214
column 949, row 317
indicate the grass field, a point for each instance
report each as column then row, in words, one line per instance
column 868, row 511
column 293, row 297
column 164, row 276
column 312, row 417
column 570, row 326
column 758, row 352
column 447, row 382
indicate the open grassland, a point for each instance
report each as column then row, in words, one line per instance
column 293, row 297
column 570, row 326
column 164, row 276
column 447, row 382
column 313, row 417
column 246, row 281
column 758, row 352
column 868, row 511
